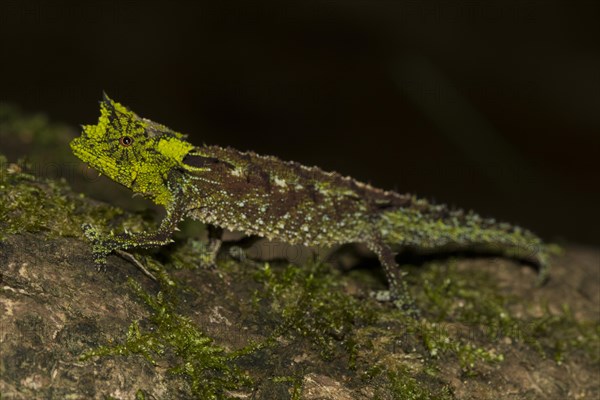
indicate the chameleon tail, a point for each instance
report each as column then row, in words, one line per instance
column 438, row 229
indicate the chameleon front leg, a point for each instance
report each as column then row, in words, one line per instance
column 103, row 245
column 398, row 290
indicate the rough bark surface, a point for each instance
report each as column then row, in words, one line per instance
column 54, row 306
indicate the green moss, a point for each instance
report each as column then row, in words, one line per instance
column 399, row 383
column 295, row 382
column 468, row 317
column 140, row 395
column 33, row 204
column 208, row 369
column 559, row 336
column 309, row 302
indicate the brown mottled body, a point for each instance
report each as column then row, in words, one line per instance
column 264, row 196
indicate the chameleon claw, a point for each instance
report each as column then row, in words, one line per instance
column 99, row 257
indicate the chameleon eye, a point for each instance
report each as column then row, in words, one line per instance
column 126, row 141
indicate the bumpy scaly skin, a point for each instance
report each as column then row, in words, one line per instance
column 267, row 197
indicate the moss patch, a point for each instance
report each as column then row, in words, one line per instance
column 307, row 302
column 33, row 204
column 209, row 370
column 471, row 304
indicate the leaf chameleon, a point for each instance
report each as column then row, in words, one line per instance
column 275, row 199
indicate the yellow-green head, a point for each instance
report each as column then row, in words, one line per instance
column 133, row 151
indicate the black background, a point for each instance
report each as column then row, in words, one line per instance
column 492, row 106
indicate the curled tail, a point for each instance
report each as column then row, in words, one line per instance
column 435, row 228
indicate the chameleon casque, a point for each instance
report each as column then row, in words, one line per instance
column 275, row 199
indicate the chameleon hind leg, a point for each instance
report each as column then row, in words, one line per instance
column 215, row 239
column 398, row 289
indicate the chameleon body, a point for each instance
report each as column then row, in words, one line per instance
column 267, row 197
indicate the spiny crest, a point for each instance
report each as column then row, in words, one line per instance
column 115, row 121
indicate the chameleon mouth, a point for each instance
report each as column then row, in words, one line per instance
column 104, row 165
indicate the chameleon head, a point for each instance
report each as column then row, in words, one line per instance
column 133, row 151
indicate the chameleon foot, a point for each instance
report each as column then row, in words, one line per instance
column 382, row 296
column 101, row 248
column 239, row 253
column 403, row 302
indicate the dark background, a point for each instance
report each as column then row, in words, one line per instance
column 492, row 106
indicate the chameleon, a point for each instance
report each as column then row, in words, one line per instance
column 279, row 200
